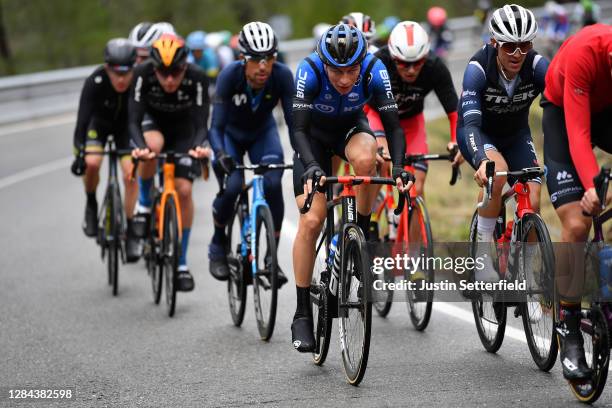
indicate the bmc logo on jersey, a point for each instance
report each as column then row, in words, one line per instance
column 516, row 98
column 301, row 83
column 384, row 75
column 239, row 99
column 324, row 108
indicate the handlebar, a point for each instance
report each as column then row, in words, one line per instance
column 170, row 156
column 601, row 181
column 262, row 168
column 411, row 159
column 523, row 175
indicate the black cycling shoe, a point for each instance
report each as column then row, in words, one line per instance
column 140, row 223
column 184, row 281
column 90, row 223
column 132, row 244
column 572, row 346
column 218, row 262
column 302, row 336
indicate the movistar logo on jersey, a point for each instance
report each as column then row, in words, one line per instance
column 301, row 83
column 239, row 99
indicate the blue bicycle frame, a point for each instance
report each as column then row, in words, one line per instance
column 247, row 235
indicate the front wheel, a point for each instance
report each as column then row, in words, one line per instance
column 265, row 284
column 152, row 252
column 170, row 252
column 318, row 301
column 237, row 282
column 356, row 319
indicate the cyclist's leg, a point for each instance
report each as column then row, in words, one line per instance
column 133, row 247
column 146, row 170
column 96, row 139
column 565, row 192
column 416, row 143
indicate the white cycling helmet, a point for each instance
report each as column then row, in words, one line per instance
column 143, row 35
column 363, row 22
column 257, row 39
column 408, row 41
column 513, row 23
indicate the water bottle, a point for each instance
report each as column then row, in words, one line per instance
column 605, row 266
column 332, row 250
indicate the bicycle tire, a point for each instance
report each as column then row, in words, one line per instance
column 355, row 281
column 170, row 252
column 597, row 334
column 420, row 303
column 543, row 345
column 265, row 281
column 383, row 300
column 236, row 283
column 487, row 314
column 319, row 304
column 152, row 252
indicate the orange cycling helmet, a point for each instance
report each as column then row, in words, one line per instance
column 169, row 52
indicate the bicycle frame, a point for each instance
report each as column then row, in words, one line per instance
column 168, row 190
column 248, row 227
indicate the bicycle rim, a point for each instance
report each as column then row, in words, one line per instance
column 152, row 253
column 265, row 284
column 171, row 247
column 355, row 328
column 383, row 299
column 536, row 266
column 420, row 302
column 236, row 284
column 113, row 240
column 318, row 301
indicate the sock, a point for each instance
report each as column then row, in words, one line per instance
column 485, row 229
column 184, row 245
column 219, row 235
column 303, row 303
column 364, row 223
column 91, row 199
column 144, row 191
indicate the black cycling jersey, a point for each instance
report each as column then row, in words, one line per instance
column 100, row 100
column 410, row 96
column 189, row 103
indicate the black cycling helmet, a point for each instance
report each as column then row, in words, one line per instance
column 120, row 54
column 342, row 46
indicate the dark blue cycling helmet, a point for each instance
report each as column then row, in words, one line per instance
column 342, row 46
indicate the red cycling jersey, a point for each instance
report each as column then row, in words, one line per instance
column 579, row 80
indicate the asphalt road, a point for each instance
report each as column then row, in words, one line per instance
column 61, row 327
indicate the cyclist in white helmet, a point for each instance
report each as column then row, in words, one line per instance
column 365, row 24
column 143, row 35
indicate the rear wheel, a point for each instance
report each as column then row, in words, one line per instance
column 265, row 284
column 535, row 263
column 170, row 252
column 318, row 300
column 236, row 284
column 112, row 228
column 356, row 324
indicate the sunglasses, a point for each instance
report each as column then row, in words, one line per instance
column 407, row 65
column 510, row 48
column 173, row 72
column 121, row 70
column 259, row 59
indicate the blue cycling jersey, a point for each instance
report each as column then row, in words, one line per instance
column 316, row 102
column 239, row 108
column 493, row 105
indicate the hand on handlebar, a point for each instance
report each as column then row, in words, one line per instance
column 458, row 161
column 143, row 154
column 312, row 171
column 78, row 165
column 480, row 176
column 403, row 179
column 590, row 203
column 200, row 152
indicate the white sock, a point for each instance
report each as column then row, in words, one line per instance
column 485, row 229
column 141, row 209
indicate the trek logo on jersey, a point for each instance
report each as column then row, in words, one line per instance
column 384, row 75
column 324, row 108
column 301, row 83
column 239, row 99
column 516, row 98
column 473, row 142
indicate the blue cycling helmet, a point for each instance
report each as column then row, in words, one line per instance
column 196, row 40
column 342, row 46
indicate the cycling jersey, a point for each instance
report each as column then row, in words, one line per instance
column 100, row 103
column 240, row 113
column 208, row 62
column 188, row 104
column 410, row 97
column 492, row 105
column 317, row 105
column 579, row 81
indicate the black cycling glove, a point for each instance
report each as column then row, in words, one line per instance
column 227, row 163
column 310, row 171
column 78, row 165
column 399, row 171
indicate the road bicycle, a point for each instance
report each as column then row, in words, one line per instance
column 251, row 249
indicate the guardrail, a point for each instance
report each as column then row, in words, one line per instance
column 30, row 96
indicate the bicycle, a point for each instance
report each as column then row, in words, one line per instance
column 251, row 249
column 597, row 318
column 112, row 221
column 419, row 302
column 163, row 240
column 527, row 229
column 340, row 285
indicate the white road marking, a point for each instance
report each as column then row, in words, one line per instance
column 35, row 172
column 37, row 124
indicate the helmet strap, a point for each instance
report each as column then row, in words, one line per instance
column 501, row 69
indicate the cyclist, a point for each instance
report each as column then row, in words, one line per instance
column 201, row 55
column 441, row 36
column 415, row 71
column 168, row 111
column 331, row 88
column 143, row 35
column 577, row 111
column 499, row 85
column 365, row 24
column 242, row 122
column 103, row 111
column 555, row 26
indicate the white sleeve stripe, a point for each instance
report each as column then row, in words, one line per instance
column 536, row 59
column 472, row 112
column 477, row 64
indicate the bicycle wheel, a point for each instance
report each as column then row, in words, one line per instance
column 265, row 284
column 318, row 300
column 490, row 316
column 111, row 225
column 535, row 263
column 382, row 300
column 152, row 252
column 597, row 350
column 356, row 324
column 170, row 253
column 420, row 302
column 236, row 284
